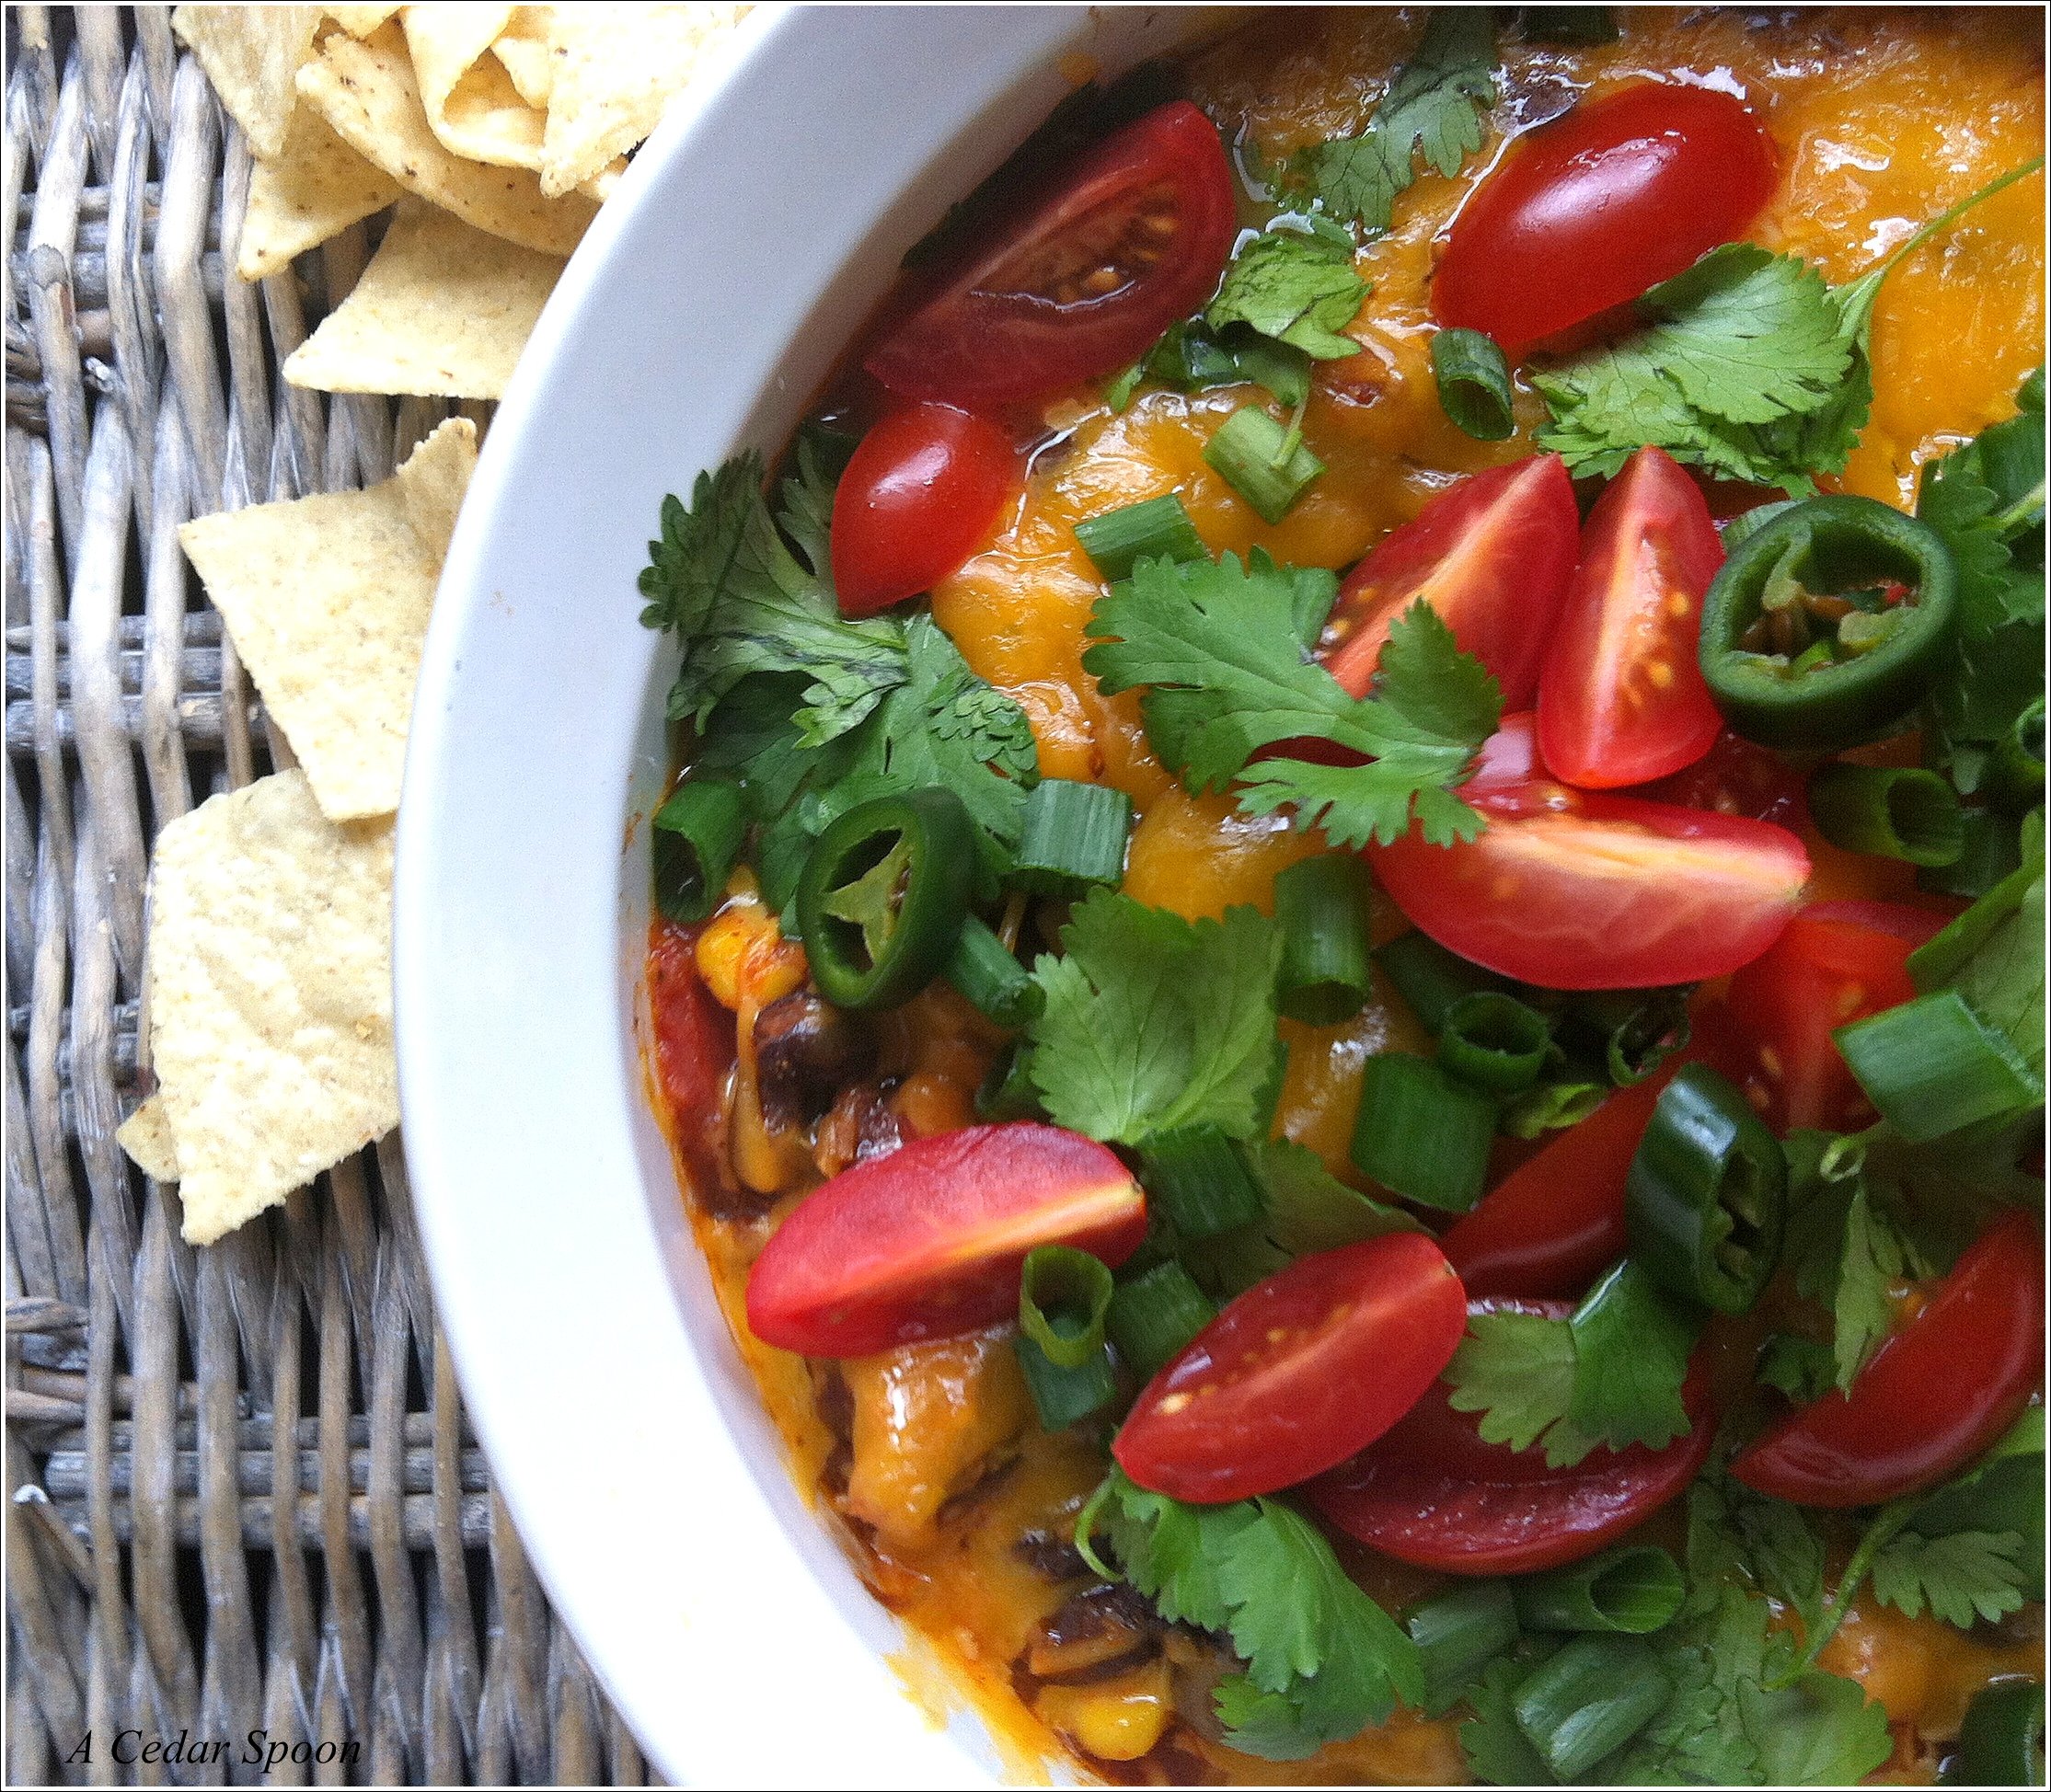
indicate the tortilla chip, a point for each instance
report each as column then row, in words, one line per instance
column 523, row 47
column 600, row 186
column 360, row 21
column 251, row 53
column 368, row 93
column 327, row 600
column 470, row 101
column 145, row 1136
column 617, row 67
column 316, row 186
column 442, row 311
column 270, row 996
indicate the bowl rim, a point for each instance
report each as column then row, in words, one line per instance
column 519, row 912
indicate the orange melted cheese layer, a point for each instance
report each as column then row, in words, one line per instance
column 1884, row 117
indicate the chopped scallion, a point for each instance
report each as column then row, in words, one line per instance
column 1892, row 811
column 1430, row 978
column 1494, row 1042
column 1063, row 1296
column 1062, row 1396
column 1323, row 911
column 695, row 836
column 1587, row 1700
column 1146, row 531
column 1474, row 386
column 1264, row 460
column 1420, row 1134
column 992, row 977
column 1072, row 836
column 1634, row 1590
column 1932, row 1065
column 1989, row 853
column 1197, row 1182
column 1459, row 1632
column 1154, row 1316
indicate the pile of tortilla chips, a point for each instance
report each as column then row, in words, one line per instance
column 493, row 133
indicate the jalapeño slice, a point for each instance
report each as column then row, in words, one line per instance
column 884, row 896
column 1827, row 626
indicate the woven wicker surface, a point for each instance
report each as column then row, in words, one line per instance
column 169, row 1569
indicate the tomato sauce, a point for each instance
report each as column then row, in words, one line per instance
column 927, row 1460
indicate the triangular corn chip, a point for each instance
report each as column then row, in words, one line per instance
column 315, row 186
column 470, row 101
column 251, row 53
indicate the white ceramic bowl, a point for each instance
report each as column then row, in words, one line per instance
column 748, row 241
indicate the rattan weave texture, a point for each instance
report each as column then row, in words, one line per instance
column 170, row 1569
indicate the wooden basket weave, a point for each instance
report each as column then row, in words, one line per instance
column 169, row 1568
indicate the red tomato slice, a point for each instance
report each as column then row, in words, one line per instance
column 1836, row 963
column 917, row 499
column 1737, row 776
column 1588, row 212
column 927, row 1242
column 1621, row 698
column 1556, row 1221
column 1431, row 1493
column 1573, row 890
column 1298, row 1372
column 693, row 1046
column 1492, row 555
column 1132, row 239
column 1935, row 1394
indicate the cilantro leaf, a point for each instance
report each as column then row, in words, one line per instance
column 722, row 580
column 1229, row 673
column 1435, row 105
column 1961, row 1576
column 1518, row 1371
column 1801, row 1367
column 1154, row 1022
column 1323, row 1660
column 1870, row 1262
column 1498, row 1751
column 1294, row 286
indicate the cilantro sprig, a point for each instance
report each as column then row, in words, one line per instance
column 1323, row 1661
column 1751, row 366
column 1226, row 670
column 1293, row 285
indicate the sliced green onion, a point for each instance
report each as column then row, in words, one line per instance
column 1061, row 1396
column 1063, row 1296
column 1936, row 962
column 1420, row 1134
column 1323, row 911
column 1072, row 836
column 1635, row 1590
column 2001, row 1740
column 1264, row 460
column 1567, row 24
column 1430, row 978
column 985, row 972
column 2015, row 779
column 1989, row 853
column 1474, row 387
column 695, row 836
column 1457, row 1632
column 1494, row 1042
column 1196, row 1181
column 1154, row 1316
column 1892, row 811
column 1630, row 1032
column 1547, row 1107
column 1584, row 1703
column 1115, row 540
column 1932, row 1065
column 1009, row 1092
column 1706, row 1197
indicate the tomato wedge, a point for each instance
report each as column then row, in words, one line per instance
column 927, row 1242
column 1622, row 698
column 1556, row 1221
column 917, row 499
column 1132, row 239
column 693, row 1048
column 1298, row 1372
column 1737, row 776
column 1569, row 890
column 1936, row 1393
column 1431, row 1492
column 1585, row 213
column 1492, row 555
column 1836, row 963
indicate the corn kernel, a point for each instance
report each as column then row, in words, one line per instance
column 1116, row 1719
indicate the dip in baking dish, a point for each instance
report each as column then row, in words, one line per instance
column 1350, row 977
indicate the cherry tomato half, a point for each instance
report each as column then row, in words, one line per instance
column 1737, row 776
column 1492, row 555
column 916, row 499
column 1571, row 890
column 927, row 1242
column 1132, row 239
column 1556, row 1221
column 1586, row 213
column 1622, row 698
column 693, row 1047
column 1935, row 1394
column 1836, row 963
column 1298, row 1372
column 1431, row 1492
